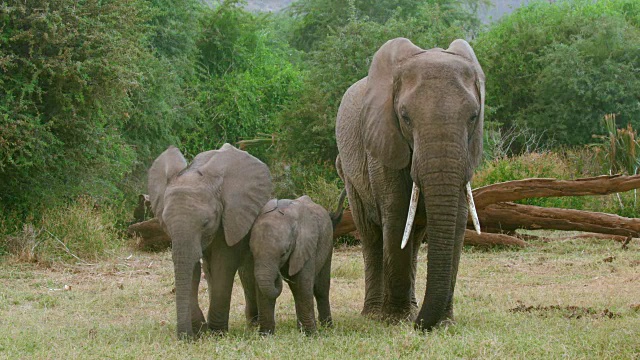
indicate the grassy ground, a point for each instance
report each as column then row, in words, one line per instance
column 563, row 299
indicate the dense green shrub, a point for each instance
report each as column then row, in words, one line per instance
column 343, row 58
column 315, row 19
column 66, row 73
column 245, row 80
column 557, row 68
column 88, row 92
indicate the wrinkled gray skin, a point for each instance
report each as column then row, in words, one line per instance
column 418, row 117
column 293, row 239
column 208, row 209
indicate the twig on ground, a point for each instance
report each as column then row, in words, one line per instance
column 66, row 248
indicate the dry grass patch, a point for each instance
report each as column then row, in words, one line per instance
column 124, row 308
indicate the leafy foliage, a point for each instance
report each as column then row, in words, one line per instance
column 67, row 73
column 558, row 68
column 316, row 19
column 342, row 59
column 246, row 78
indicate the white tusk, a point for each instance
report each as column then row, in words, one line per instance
column 413, row 205
column 472, row 209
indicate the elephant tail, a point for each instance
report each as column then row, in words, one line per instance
column 336, row 216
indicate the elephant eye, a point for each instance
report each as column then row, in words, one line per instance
column 205, row 222
column 405, row 116
column 473, row 118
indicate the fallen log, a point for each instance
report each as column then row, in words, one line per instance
column 510, row 217
column 616, row 238
column 150, row 235
column 345, row 226
column 471, row 237
column 537, row 187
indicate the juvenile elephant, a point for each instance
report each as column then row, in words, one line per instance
column 293, row 239
column 415, row 119
column 207, row 209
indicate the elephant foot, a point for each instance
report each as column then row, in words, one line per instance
column 266, row 331
column 395, row 316
column 372, row 310
column 327, row 323
column 218, row 330
column 253, row 321
column 419, row 323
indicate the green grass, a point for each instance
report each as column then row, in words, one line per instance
column 123, row 308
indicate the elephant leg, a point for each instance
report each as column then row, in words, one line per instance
column 399, row 275
column 302, row 288
column 266, row 309
column 371, row 238
column 321, row 293
column 198, row 323
column 461, row 225
column 248, row 281
column 222, row 266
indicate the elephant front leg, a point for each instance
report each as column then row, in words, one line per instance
column 248, row 281
column 302, row 289
column 321, row 293
column 222, row 265
column 266, row 309
column 399, row 276
column 198, row 323
column 371, row 238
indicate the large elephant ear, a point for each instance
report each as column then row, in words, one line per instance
column 383, row 139
column 246, row 187
column 163, row 169
column 462, row 48
column 305, row 235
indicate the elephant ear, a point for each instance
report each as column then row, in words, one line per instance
column 305, row 235
column 246, row 187
column 383, row 139
column 462, row 48
column 163, row 169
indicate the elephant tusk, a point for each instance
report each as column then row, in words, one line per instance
column 472, row 209
column 413, row 205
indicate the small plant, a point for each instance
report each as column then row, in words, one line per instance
column 619, row 152
column 78, row 232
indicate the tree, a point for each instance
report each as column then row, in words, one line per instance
column 558, row 68
column 307, row 126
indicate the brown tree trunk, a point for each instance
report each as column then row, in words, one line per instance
column 532, row 188
column 510, row 216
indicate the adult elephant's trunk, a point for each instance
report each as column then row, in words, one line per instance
column 441, row 179
column 268, row 280
column 186, row 265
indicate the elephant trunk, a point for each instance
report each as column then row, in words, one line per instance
column 268, row 280
column 186, row 265
column 441, row 179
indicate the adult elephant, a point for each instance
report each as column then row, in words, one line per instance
column 416, row 118
column 208, row 209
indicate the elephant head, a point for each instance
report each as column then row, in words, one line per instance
column 216, row 198
column 423, row 110
column 286, row 233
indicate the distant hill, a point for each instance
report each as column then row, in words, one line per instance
column 500, row 8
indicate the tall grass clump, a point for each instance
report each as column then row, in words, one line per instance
column 81, row 231
column 545, row 164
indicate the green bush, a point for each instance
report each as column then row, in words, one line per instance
column 245, row 80
column 558, row 68
column 316, row 19
column 78, row 232
column 308, row 124
column 566, row 165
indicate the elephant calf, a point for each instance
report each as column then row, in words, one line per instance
column 293, row 239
